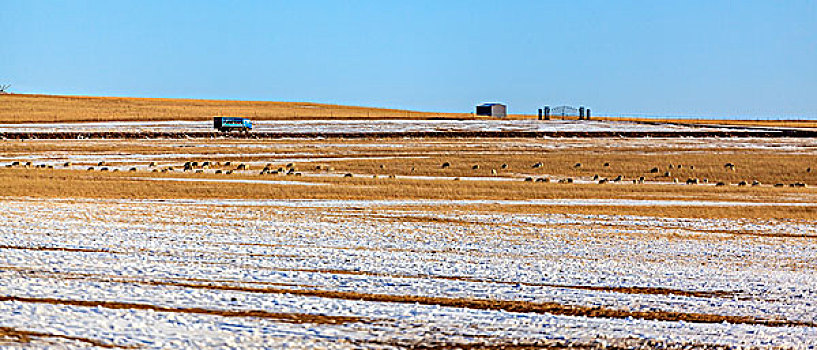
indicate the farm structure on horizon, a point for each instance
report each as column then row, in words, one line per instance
column 492, row 110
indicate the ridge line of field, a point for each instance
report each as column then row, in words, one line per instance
column 519, row 306
column 296, row 318
column 24, row 336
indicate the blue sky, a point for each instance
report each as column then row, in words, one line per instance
column 668, row 58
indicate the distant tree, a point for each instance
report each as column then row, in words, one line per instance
column 4, row 89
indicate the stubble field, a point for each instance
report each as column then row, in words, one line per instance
column 422, row 242
column 376, row 244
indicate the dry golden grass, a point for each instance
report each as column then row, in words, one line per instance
column 23, row 108
column 16, row 108
column 782, row 123
column 83, row 184
column 631, row 158
column 424, row 158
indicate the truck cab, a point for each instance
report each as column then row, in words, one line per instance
column 225, row 124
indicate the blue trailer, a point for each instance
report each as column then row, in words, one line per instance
column 232, row 123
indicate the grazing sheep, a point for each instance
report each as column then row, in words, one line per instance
column 392, row 176
column 15, row 163
column 100, row 164
column 667, row 174
column 595, row 177
column 228, row 172
column 720, row 183
column 66, row 164
column 742, row 183
column 103, row 169
column 606, row 165
column 505, row 166
column 199, row 171
column 90, row 168
column 641, row 180
column 412, row 169
column 705, row 180
column 799, row 184
column 808, row 170
column 290, row 165
column 155, row 171
column 456, row 179
column 543, row 179
column 538, row 165
column 152, row 164
column 691, row 167
column 50, row 167
column 133, row 170
column 228, row 163
column 679, row 166
column 603, row 181
column 446, row 165
column 218, row 171
column 164, row 170
column 654, row 170
column 569, row 180
column 348, row 175
column 319, row 167
column 242, row 167
column 779, row 185
column 692, row 181
column 205, row 164
column 475, row 167
column 618, row 178
column 577, row 165
column 671, row 166
column 729, row 166
column 755, row 183
column 528, row 179
column 194, row 164
column 382, row 166
column 299, row 174
column 493, row 172
column 675, row 180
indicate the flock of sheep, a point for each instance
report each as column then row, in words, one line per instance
column 290, row 169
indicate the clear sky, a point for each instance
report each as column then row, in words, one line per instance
column 749, row 58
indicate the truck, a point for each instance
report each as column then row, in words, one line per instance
column 225, row 124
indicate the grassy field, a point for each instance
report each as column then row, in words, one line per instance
column 781, row 123
column 417, row 165
column 22, row 108
column 398, row 236
column 51, row 109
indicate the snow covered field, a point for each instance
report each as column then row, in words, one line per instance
column 191, row 273
column 364, row 126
